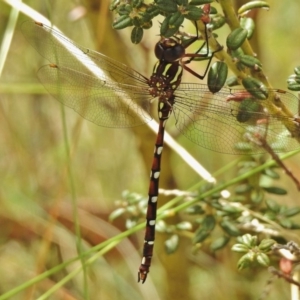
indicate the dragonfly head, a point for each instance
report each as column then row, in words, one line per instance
column 169, row 50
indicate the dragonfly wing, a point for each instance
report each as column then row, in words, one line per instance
column 205, row 119
column 214, row 122
column 60, row 50
column 102, row 102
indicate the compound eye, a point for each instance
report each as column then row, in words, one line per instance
column 169, row 50
column 159, row 51
column 174, row 53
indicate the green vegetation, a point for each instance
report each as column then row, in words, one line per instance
column 73, row 194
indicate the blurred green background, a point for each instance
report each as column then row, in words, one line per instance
column 36, row 210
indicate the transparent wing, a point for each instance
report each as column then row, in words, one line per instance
column 102, row 102
column 111, row 94
column 58, row 49
column 219, row 124
column 100, row 89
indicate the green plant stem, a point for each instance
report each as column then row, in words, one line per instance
column 275, row 107
column 169, row 210
column 163, row 213
column 79, row 245
column 221, row 187
column 233, row 22
column 72, row 274
column 114, row 241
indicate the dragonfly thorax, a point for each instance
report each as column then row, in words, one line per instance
column 165, row 79
column 169, row 50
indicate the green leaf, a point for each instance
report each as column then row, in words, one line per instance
column 253, row 5
column 270, row 172
column 297, row 70
column 243, row 188
column 286, row 223
column 130, row 223
column 137, row 3
column 217, row 76
column 249, row 25
column 200, row 236
column 193, row 13
column 171, row 244
column 289, row 212
column 294, row 87
column 200, row 2
column 136, row 35
column 164, row 26
column 250, row 61
column 266, row 245
column 166, row 29
column 122, row 22
column 236, row 38
column 116, row 213
column 232, row 81
column 167, row 6
column 114, row 5
column 263, row 259
column 219, row 243
column 257, row 196
column 213, row 11
column 275, row 190
column 195, row 210
column 182, row 2
column 124, row 9
column 146, row 25
column 176, row 19
column 243, row 146
column 255, row 88
column 248, row 110
column 245, row 261
column 152, row 11
column 248, row 240
column 230, row 228
column 294, row 78
column 270, row 215
column 230, row 209
column 184, row 226
column 236, row 53
column 161, row 226
column 295, row 226
column 207, row 225
column 217, row 21
column 241, row 248
column 273, row 205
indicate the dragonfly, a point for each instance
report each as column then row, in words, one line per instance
column 111, row 94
